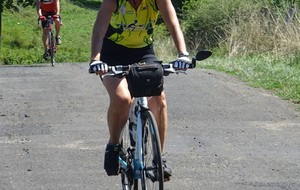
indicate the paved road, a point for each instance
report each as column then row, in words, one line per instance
column 223, row 135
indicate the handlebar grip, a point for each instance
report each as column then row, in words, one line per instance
column 97, row 64
column 42, row 18
column 93, row 66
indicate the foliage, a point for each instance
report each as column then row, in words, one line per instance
column 12, row 3
column 281, row 3
column 241, row 27
column 91, row 4
column 178, row 4
column 206, row 22
column 261, row 43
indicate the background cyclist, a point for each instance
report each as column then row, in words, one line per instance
column 45, row 8
column 122, row 35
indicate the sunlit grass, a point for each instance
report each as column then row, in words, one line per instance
column 280, row 76
column 21, row 36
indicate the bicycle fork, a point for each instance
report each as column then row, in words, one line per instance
column 136, row 154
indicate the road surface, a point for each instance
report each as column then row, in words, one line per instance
column 223, row 134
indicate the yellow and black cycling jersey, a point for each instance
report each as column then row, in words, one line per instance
column 133, row 28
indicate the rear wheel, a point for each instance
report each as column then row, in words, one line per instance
column 152, row 175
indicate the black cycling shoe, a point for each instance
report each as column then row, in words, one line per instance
column 167, row 171
column 111, row 159
column 58, row 40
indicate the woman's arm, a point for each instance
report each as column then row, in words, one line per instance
column 57, row 7
column 100, row 26
column 38, row 7
column 169, row 16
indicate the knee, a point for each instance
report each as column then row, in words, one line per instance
column 121, row 103
column 163, row 100
column 58, row 23
column 160, row 101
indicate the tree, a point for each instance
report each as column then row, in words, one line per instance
column 13, row 5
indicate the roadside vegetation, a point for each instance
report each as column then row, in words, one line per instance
column 256, row 41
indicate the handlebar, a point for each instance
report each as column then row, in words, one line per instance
column 121, row 70
column 49, row 17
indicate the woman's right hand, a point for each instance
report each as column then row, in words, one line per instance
column 98, row 67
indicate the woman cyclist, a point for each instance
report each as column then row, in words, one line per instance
column 122, row 35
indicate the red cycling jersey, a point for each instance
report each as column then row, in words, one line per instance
column 48, row 6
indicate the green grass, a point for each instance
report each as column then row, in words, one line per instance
column 21, row 36
column 281, row 76
column 91, row 4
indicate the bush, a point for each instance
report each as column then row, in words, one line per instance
column 241, row 27
column 206, row 22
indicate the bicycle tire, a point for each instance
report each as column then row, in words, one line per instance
column 51, row 46
column 126, row 176
column 152, row 175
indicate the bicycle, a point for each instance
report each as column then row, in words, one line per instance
column 51, row 40
column 140, row 158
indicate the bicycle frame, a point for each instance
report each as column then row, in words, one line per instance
column 142, row 103
column 51, row 40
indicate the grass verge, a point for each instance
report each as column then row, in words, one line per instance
column 281, row 76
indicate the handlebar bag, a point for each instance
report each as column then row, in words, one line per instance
column 145, row 79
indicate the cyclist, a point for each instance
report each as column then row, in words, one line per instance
column 122, row 34
column 45, row 8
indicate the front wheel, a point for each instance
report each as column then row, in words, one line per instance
column 125, row 156
column 152, row 175
column 52, row 48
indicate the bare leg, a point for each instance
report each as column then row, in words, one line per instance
column 45, row 39
column 118, row 110
column 58, row 24
column 158, row 106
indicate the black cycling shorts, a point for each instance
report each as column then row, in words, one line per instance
column 115, row 54
column 45, row 22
